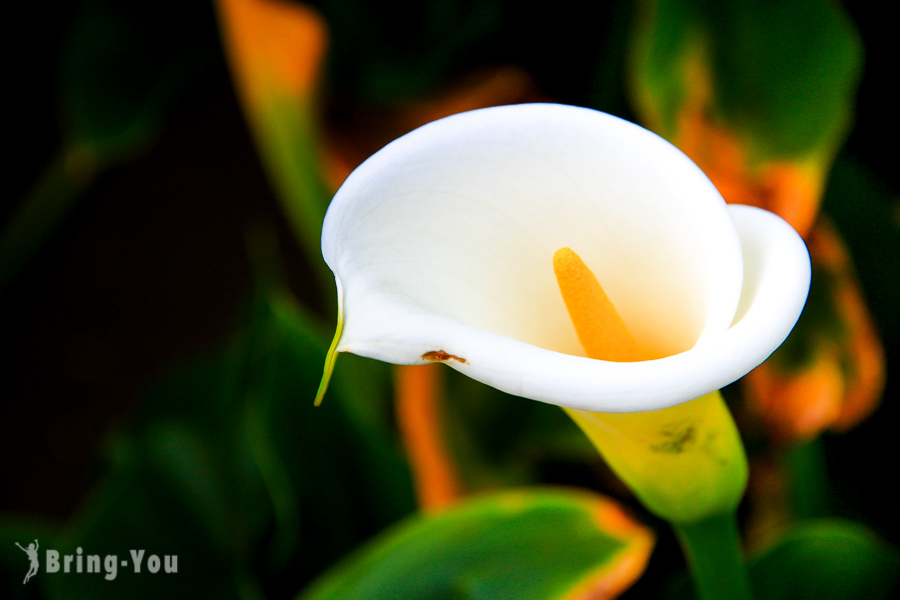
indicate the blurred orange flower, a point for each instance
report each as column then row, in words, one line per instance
column 830, row 373
column 791, row 189
column 276, row 49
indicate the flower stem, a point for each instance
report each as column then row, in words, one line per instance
column 418, row 405
column 713, row 549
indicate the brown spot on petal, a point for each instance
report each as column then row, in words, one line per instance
column 441, row 356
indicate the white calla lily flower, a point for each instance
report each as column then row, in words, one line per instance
column 442, row 245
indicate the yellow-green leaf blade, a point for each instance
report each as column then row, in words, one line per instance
column 524, row 545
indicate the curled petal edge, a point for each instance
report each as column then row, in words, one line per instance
column 776, row 283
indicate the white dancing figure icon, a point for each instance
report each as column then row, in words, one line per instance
column 32, row 552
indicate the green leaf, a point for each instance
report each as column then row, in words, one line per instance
column 155, row 501
column 867, row 213
column 811, row 493
column 827, row 560
column 530, row 544
column 277, row 82
column 497, row 440
column 46, row 205
column 781, row 74
column 122, row 71
column 389, row 56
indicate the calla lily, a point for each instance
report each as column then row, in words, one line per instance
column 571, row 257
column 442, row 246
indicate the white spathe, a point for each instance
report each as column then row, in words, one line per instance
column 443, row 242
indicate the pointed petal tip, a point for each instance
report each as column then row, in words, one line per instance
column 330, row 357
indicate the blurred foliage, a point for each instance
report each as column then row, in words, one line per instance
column 121, row 72
column 225, row 463
column 525, row 544
column 391, row 52
column 275, row 51
column 780, row 74
column 228, row 466
column 828, row 559
column 829, row 374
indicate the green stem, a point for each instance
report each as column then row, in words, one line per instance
column 713, row 550
column 47, row 204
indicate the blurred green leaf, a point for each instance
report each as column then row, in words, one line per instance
column 163, row 497
column 122, row 70
column 524, row 545
column 822, row 559
column 498, row 440
column 275, row 50
column 827, row 560
column 865, row 211
column 392, row 55
column 780, row 74
column 811, row 493
column 61, row 185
